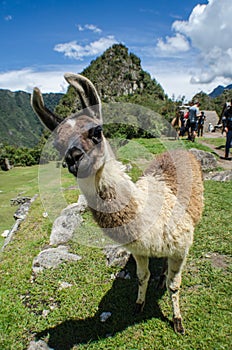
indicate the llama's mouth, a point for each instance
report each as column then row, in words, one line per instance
column 73, row 158
column 78, row 169
column 73, row 169
column 74, row 166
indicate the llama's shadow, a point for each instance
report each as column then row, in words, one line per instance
column 120, row 301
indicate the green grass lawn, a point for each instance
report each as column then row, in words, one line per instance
column 215, row 141
column 18, row 181
column 24, row 181
column 73, row 317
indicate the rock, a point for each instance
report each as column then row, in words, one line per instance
column 45, row 313
column 125, row 275
column 5, row 233
column 78, row 207
column 21, row 212
column 207, row 159
column 38, row 345
column 104, row 316
column 62, row 231
column 65, row 225
column 64, row 285
column 20, row 200
column 5, row 164
column 82, row 203
column 116, row 256
column 220, row 176
column 19, row 216
column 52, row 258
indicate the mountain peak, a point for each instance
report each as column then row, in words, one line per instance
column 118, row 73
column 219, row 90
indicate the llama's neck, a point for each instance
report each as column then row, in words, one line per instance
column 110, row 185
column 111, row 196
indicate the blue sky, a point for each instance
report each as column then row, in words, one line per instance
column 185, row 45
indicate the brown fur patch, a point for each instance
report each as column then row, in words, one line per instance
column 164, row 166
column 195, row 206
column 113, row 219
column 117, row 221
column 182, row 174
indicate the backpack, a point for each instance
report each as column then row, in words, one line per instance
column 193, row 114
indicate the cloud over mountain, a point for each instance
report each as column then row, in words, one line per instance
column 78, row 51
column 208, row 29
column 174, row 44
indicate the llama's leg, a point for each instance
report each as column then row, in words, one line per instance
column 173, row 285
column 143, row 274
column 162, row 279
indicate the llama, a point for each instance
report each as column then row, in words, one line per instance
column 154, row 217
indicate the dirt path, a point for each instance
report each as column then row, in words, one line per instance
column 226, row 164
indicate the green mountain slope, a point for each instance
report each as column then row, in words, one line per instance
column 216, row 103
column 119, row 73
column 220, row 90
column 19, row 125
column 118, row 76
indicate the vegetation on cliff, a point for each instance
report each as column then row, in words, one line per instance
column 119, row 77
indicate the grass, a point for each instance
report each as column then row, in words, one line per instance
column 215, row 141
column 24, row 181
column 73, row 314
column 18, row 181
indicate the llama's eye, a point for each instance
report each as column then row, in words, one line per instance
column 97, row 131
column 95, row 134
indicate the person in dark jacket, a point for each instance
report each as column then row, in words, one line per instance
column 201, row 121
column 228, row 130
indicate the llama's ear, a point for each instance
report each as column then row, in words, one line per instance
column 48, row 118
column 87, row 93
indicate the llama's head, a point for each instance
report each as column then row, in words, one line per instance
column 78, row 138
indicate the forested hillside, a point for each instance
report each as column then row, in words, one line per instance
column 220, row 90
column 19, row 125
column 118, row 76
column 214, row 104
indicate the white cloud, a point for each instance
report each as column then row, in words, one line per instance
column 94, row 28
column 8, row 18
column 209, row 29
column 208, row 25
column 219, row 64
column 80, row 28
column 77, row 51
column 174, row 44
column 91, row 27
column 48, row 79
column 173, row 76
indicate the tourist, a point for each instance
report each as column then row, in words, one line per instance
column 193, row 118
column 201, row 121
column 228, row 130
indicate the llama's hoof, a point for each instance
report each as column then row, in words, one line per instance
column 178, row 327
column 138, row 308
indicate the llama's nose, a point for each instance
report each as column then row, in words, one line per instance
column 73, row 155
column 77, row 154
column 73, row 158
